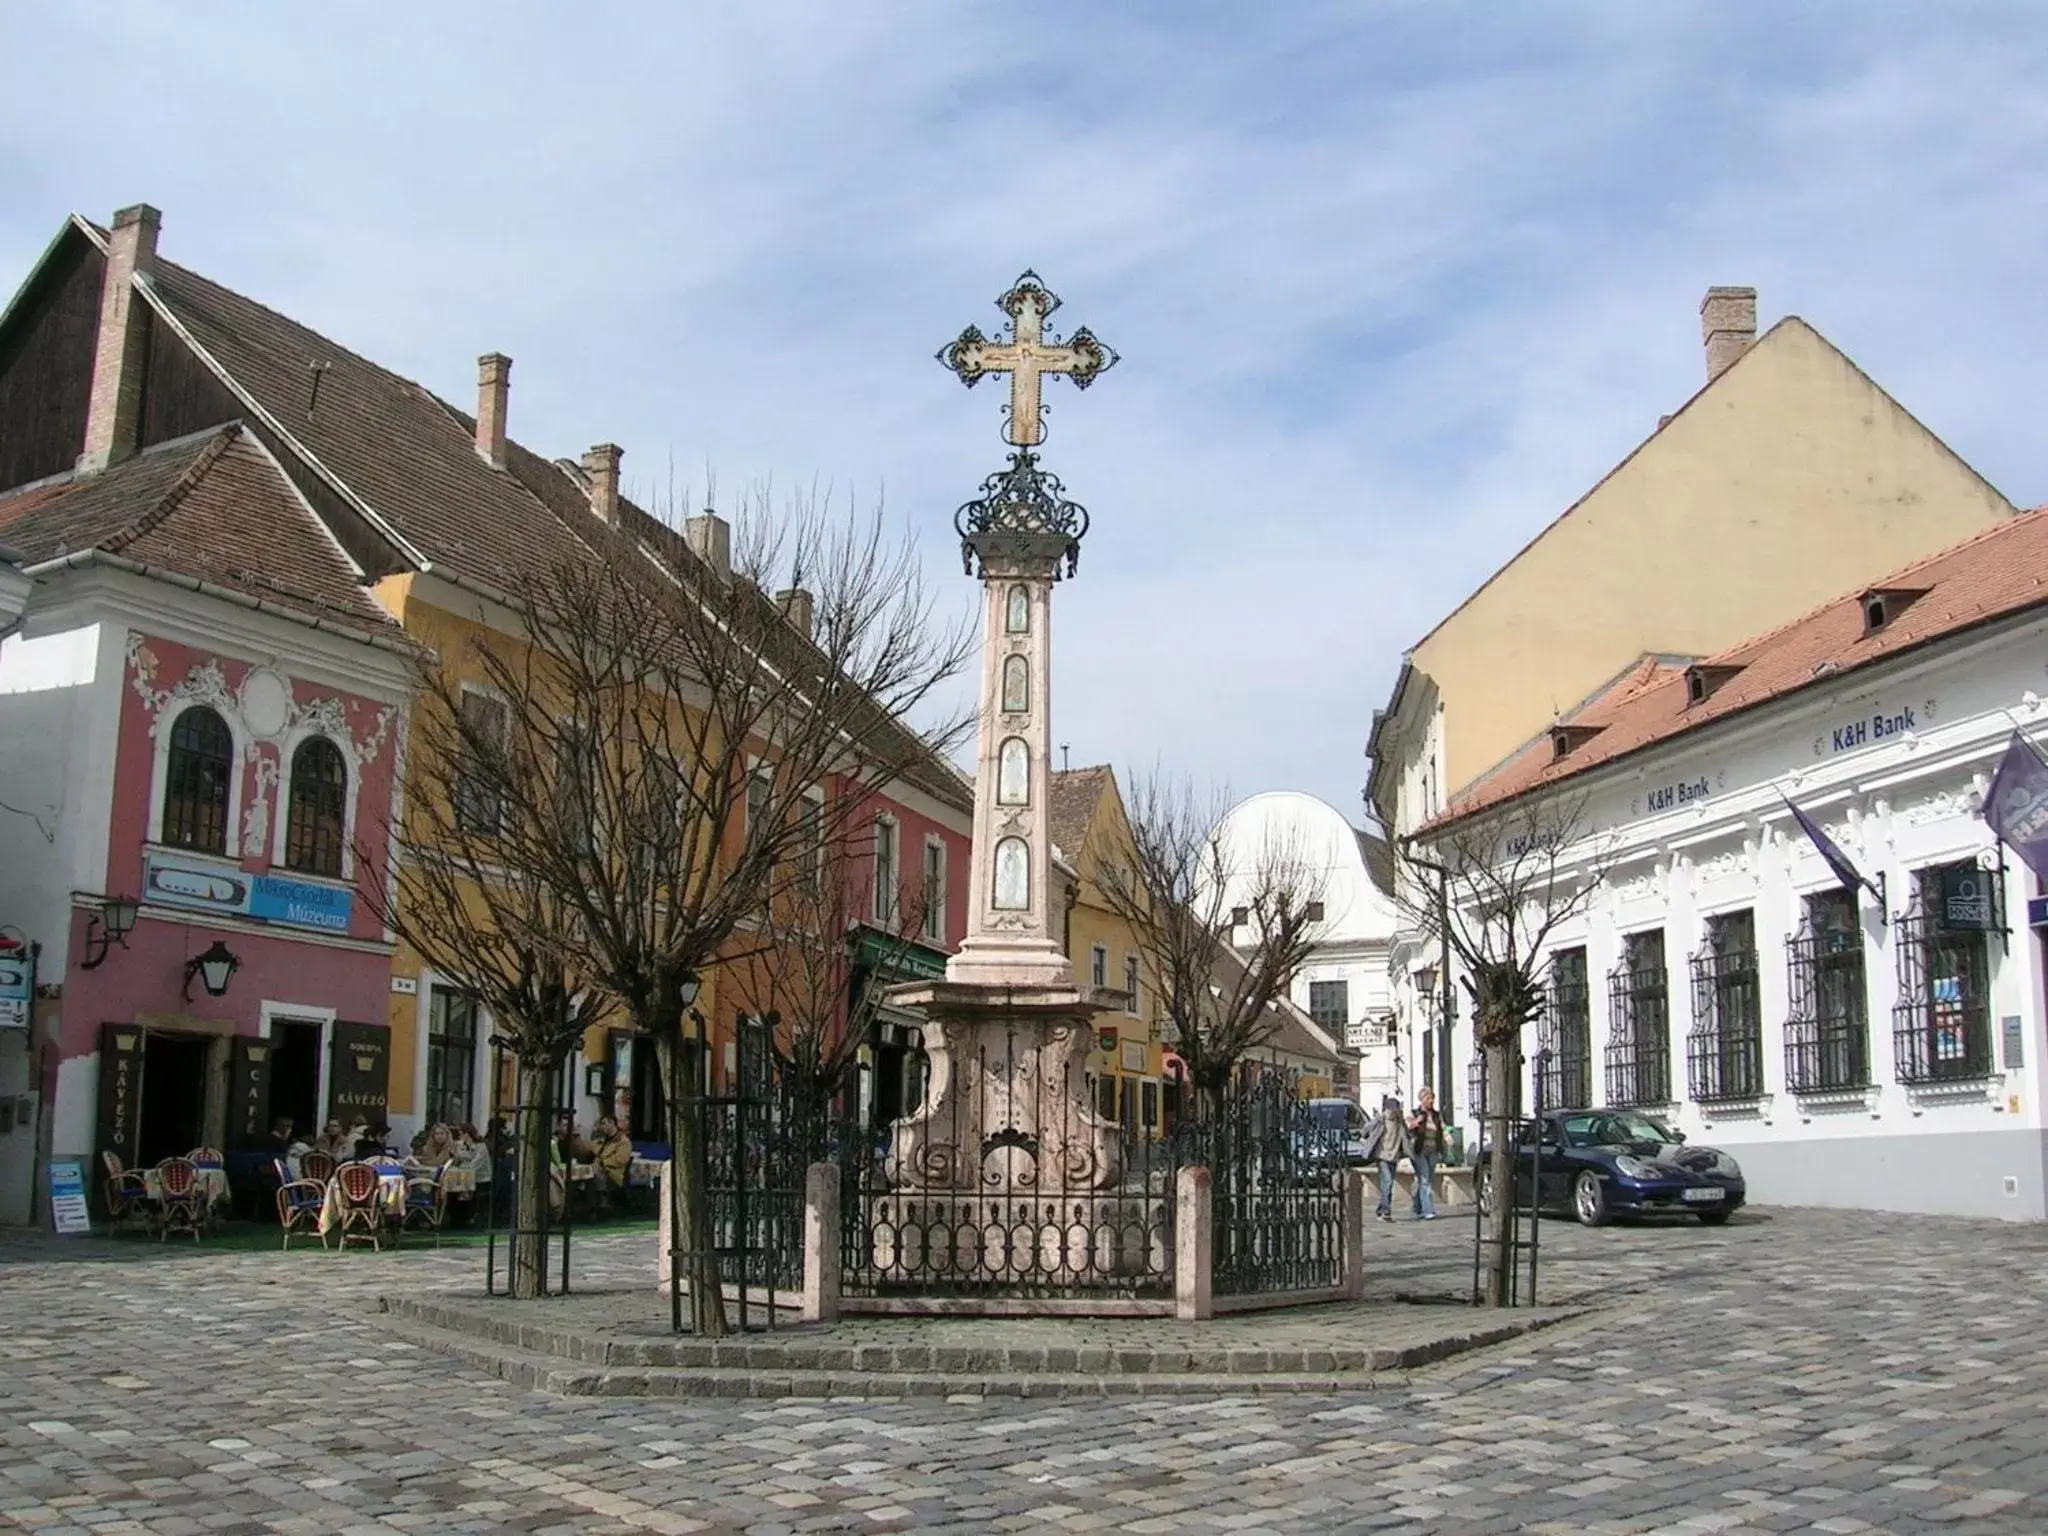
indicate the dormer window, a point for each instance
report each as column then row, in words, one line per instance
column 1567, row 739
column 1881, row 605
column 1702, row 682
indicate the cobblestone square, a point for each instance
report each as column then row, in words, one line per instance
column 1793, row 1371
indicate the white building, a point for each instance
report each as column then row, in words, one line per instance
column 1721, row 976
column 1344, row 986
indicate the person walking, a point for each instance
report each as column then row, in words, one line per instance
column 1425, row 1146
column 1389, row 1146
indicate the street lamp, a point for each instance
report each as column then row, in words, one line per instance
column 214, row 968
column 107, row 927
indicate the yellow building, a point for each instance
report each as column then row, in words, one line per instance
column 1091, row 832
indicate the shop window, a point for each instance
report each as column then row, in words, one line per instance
column 1564, row 1063
column 1724, row 1049
column 1639, row 1024
column 318, row 814
column 1941, row 1024
column 1827, row 1036
column 200, row 769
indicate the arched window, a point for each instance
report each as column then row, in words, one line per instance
column 1016, row 685
column 1013, row 875
column 1017, row 612
column 202, row 764
column 313, row 834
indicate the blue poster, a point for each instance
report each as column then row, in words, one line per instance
column 182, row 880
column 281, row 899
column 69, row 1210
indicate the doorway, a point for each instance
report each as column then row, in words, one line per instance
column 295, row 1074
column 173, row 1119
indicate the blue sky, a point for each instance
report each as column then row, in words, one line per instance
column 1393, row 283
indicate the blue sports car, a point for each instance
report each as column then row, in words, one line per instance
column 1597, row 1163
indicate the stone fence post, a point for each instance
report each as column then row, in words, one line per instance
column 1356, row 1193
column 821, row 1243
column 1193, row 1244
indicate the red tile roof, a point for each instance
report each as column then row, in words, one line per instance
column 1993, row 574
column 214, row 507
column 1071, row 806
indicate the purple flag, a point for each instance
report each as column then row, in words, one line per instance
column 1845, row 869
column 2016, row 804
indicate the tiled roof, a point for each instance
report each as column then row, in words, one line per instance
column 1997, row 572
column 215, row 507
column 1075, row 794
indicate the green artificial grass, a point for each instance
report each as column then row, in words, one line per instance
column 262, row 1237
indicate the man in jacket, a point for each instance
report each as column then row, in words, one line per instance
column 1389, row 1139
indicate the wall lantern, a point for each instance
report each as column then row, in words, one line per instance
column 687, row 990
column 213, row 969
column 107, row 927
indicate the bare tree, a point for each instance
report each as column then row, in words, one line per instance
column 1221, row 930
column 478, row 797
column 800, row 981
column 708, row 740
column 1498, row 885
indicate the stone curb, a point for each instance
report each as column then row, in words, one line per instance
column 573, row 1363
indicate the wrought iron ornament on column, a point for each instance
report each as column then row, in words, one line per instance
column 1023, row 510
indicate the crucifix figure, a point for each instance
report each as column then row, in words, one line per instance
column 1026, row 356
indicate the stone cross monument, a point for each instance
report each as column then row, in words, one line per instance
column 1006, row 1128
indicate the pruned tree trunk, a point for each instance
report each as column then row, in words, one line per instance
column 1496, row 1278
column 531, row 1176
column 690, row 1216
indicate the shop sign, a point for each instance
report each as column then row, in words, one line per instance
column 1134, row 1056
column 249, row 1075
column 1670, row 796
column 180, row 880
column 17, row 984
column 2015, row 1053
column 120, row 1089
column 69, row 1209
column 1966, row 904
column 1881, row 724
column 359, row 1073
column 900, row 957
column 1105, row 1041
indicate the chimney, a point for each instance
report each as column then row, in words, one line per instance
column 493, row 384
column 601, row 472
column 710, row 539
column 1727, row 326
column 798, row 607
column 114, row 418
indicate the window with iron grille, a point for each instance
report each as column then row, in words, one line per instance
column 1566, row 1033
column 202, row 763
column 1329, row 1004
column 1827, row 1036
column 1941, row 1024
column 1475, row 1082
column 1724, row 1049
column 319, row 808
column 1639, row 1023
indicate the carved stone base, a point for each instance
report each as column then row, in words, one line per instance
column 1006, row 1111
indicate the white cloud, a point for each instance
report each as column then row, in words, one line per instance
column 1393, row 288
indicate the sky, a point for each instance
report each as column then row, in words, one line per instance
column 1393, row 284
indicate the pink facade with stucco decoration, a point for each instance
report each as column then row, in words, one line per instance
column 307, row 944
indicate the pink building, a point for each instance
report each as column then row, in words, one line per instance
column 201, row 723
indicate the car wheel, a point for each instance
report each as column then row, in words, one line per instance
column 1713, row 1218
column 1589, row 1200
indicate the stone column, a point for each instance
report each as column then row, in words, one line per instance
column 1357, row 1191
column 821, row 1243
column 1193, row 1246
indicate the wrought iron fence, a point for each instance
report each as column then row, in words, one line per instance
column 1827, row 1036
column 1724, row 1049
column 517, row 1122
column 1941, row 1024
column 1277, row 1187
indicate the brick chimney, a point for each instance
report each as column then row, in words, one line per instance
column 710, row 539
column 114, row 419
column 493, row 385
column 799, row 607
column 1727, row 326
column 601, row 473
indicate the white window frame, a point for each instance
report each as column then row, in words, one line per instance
column 1132, row 981
column 270, row 1011
column 1098, row 965
column 286, row 751
column 160, row 777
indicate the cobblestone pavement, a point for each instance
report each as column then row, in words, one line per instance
column 1793, row 1371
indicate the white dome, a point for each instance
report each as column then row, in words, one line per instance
column 1354, row 907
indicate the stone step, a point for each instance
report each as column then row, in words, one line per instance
column 816, row 1351
column 562, row 1377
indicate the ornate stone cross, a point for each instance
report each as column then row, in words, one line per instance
column 1028, row 355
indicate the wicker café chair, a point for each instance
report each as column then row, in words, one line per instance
column 426, row 1203
column 298, row 1205
column 317, row 1166
column 127, row 1192
column 362, row 1209
column 181, row 1203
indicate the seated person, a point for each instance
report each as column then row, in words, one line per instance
column 435, row 1146
column 612, row 1150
